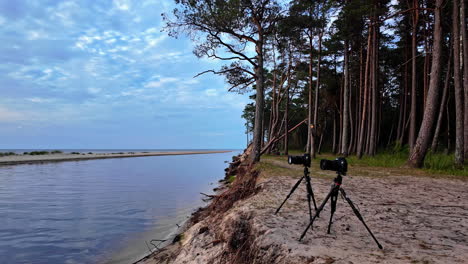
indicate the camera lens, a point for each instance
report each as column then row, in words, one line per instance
column 301, row 160
column 339, row 165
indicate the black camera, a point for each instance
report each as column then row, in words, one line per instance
column 339, row 165
column 304, row 160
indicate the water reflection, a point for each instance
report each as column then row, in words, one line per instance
column 81, row 212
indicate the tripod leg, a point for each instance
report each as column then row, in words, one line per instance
column 334, row 198
column 310, row 192
column 287, row 197
column 310, row 208
column 317, row 213
column 359, row 216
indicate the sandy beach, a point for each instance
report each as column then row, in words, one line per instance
column 416, row 219
column 30, row 159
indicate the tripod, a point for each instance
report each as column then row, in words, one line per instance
column 333, row 195
column 310, row 193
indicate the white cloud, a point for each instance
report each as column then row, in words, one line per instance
column 123, row 5
column 160, row 82
column 40, row 100
column 211, row 92
column 35, row 34
column 94, row 90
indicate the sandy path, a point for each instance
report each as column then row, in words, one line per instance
column 27, row 159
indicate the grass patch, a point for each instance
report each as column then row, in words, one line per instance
column 231, row 178
column 386, row 163
column 434, row 163
column 56, row 152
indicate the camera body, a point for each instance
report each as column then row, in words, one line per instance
column 339, row 165
column 300, row 160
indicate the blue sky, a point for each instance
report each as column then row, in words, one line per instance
column 101, row 74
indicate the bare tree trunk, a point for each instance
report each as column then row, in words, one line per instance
column 312, row 153
column 419, row 150
column 412, row 130
column 405, row 109
column 435, row 140
column 334, row 133
column 359, row 98
column 309, row 116
column 459, row 135
column 351, row 119
column 364, row 107
column 286, row 112
column 259, row 103
column 373, row 132
column 465, row 74
column 344, row 140
column 449, row 142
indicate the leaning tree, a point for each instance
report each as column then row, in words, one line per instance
column 227, row 30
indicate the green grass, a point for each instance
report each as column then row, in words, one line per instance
column 231, row 178
column 435, row 164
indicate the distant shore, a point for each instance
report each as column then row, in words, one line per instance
column 30, row 159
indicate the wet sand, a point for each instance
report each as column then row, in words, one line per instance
column 30, row 159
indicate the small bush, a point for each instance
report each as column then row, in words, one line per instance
column 39, row 153
column 2, row 154
column 56, row 152
column 76, row 153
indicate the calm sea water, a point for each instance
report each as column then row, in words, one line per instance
column 99, row 211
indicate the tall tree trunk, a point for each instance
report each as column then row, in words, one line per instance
column 364, row 107
column 344, row 140
column 359, row 98
column 309, row 116
column 412, row 130
column 286, row 121
column 351, row 119
column 459, row 135
column 373, row 132
column 435, row 140
column 316, row 95
column 465, row 74
column 334, row 133
column 418, row 153
column 259, row 103
column 286, row 112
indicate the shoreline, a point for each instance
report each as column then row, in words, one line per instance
column 35, row 159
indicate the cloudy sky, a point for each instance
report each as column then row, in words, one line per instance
column 101, row 74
